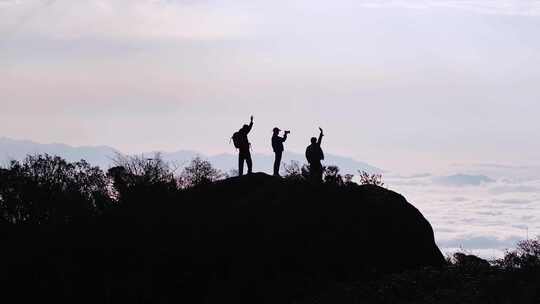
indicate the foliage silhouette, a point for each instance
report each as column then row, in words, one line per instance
column 370, row 179
column 199, row 172
column 45, row 189
column 137, row 177
column 525, row 257
column 295, row 171
column 331, row 174
column 465, row 279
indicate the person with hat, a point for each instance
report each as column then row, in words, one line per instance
column 277, row 146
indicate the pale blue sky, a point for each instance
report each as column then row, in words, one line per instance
column 404, row 85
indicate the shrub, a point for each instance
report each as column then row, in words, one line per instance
column 348, row 179
column 370, row 179
column 332, row 176
column 295, row 171
column 470, row 261
column 199, row 172
column 525, row 256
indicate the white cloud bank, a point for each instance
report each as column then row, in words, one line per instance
column 483, row 218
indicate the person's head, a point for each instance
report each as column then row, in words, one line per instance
column 314, row 140
column 245, row 127
column 276, row 131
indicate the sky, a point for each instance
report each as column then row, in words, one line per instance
column 423, row 89
column 406, row 85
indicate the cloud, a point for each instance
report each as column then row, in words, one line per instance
column 482, row 242
column 125, row 19
column 413, row 176
column 514, row 201
column 499, row 7
column 460, row 180
column 496, row 166
column 514, row 189
column 200, row 20
column 483, row 218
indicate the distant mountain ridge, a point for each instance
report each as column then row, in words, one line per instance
column 103, row 156
column 11, row 149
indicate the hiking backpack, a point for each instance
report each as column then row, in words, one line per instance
column 236, row 140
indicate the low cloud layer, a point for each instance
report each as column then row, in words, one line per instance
column 483, row 218
column 500, row 7
column 462, row 180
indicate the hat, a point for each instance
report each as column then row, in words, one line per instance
column 276, row 129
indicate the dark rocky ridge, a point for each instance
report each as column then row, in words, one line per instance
column 363, row 223
column 255, row 239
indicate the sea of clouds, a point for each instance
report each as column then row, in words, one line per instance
column 476, row 213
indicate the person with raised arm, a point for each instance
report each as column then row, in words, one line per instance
column 241, row 142
column 314, row 156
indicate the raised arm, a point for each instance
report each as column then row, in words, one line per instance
column 250, row 124
column 320, row 137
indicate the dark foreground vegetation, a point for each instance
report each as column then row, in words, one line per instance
column 140, row 234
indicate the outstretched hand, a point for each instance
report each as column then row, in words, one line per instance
column 252, row 118
column 320, row 129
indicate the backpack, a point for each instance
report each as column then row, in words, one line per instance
column 236, row 138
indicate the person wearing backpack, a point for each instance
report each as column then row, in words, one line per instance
column 241, row 142
column 314, row 155
column 277, row 146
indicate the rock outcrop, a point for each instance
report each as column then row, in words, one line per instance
column 253, row 239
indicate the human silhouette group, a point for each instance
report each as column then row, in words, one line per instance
column 314, row 152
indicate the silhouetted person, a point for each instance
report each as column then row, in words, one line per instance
column 314, row 155
column 277, row 146
column 241, row 142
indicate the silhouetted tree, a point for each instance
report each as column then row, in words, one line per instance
column 199, row 172
column 137, row 177
column 525, row 256
column 47, row 189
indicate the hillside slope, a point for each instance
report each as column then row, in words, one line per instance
column 254, row 239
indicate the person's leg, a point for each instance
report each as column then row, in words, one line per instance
column 277, row 163
column 316, row 171
column 240, row 164
column 312, row 171
column 320, row 173
column 249, row 162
